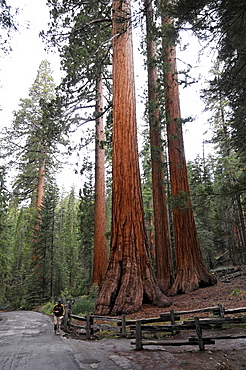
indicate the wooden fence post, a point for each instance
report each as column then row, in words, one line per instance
column 92, row 324
column 88, row 326
column 221, row 310
column 123, row 326
column 65, row 318
column 199, row 334
column 138, row 335
column 173, row 321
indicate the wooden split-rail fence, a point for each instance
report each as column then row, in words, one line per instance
column 168, row 323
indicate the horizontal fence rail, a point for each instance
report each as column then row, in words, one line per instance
column 171, row 324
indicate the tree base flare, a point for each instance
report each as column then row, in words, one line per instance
column 128, row 296
column 186, row 283
column 127, row 309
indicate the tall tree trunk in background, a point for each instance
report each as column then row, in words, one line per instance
column 164, row 270
column 191, row 273
column 129, row 277
column 37, row 257
column 100, row 242
column 39, row 195
column 40, row 185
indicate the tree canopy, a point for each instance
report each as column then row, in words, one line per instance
column 38, row 128
column 222, row 25
column 7, row 24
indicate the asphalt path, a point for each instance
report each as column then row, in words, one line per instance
column 27, row 342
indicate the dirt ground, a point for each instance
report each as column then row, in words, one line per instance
column 230, row 291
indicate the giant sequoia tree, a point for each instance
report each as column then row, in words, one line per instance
column 100, row 242
column 191, row 272
column 129, row 277
column 164, row 270
column 32, row 144
column 86, row 28
column 32, row 141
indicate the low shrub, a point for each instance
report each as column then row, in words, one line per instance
column 83, row 305
column 237, row 293
column 47, row 308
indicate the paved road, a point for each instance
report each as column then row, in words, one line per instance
column 27, row 342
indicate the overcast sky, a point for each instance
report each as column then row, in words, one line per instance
column 19, row 69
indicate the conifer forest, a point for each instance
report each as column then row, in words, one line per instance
column 142, row 223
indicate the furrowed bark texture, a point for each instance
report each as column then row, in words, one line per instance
column 129, row 277
column 164, row 269
column 100, row 243
column 191, row 272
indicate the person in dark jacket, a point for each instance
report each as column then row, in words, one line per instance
column 59, row 312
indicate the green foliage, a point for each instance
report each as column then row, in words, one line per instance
column 216, row 206
column 204, row 208
column 53, row 265
column 223, row 24
column 59, row 263
column 7, row 24
column 82, row 33
column 5, row 237
column 93, row 291
column 83, row 305
column 65, row 295
column 86, row 224
column 37, row 130
column 67, row 238
column 41, row 280
column 236, row 292
column 147, row 183
column 47, row 308
column 21, row 237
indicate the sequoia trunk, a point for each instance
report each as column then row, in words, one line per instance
column 129, row 277
column 164, row 271
column 40, row 185
column 100, row 243
column 191, row 272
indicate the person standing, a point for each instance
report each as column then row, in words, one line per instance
column 59, row 312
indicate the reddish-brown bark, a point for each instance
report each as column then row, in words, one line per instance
column 129, row 276
column 100, row 243
column 191, row 273
column 38, row 204
column 40, row 185
column 164, row 270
